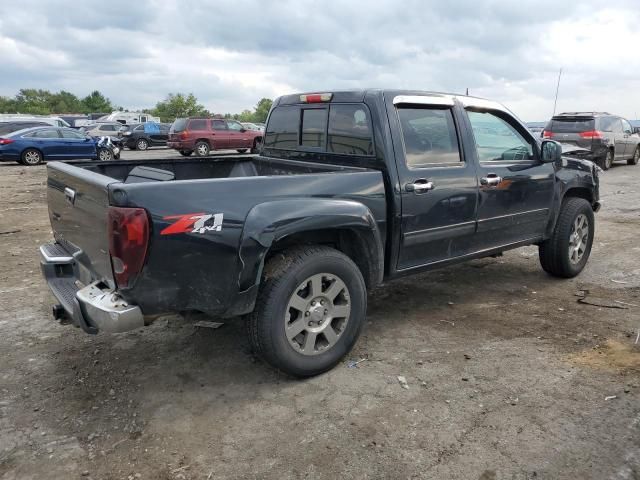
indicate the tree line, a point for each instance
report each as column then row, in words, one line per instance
column 43, row 102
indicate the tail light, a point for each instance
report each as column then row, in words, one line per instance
column 547, row 134
column 6, row 141
column 128, row 241
column 316, row 98
column 591, row 134
column 183, row 135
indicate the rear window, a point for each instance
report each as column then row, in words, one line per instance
column 345, row 130
column 570, row 124
column 282, row 129
column 178, row 125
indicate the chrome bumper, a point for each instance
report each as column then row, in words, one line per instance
column 94, row 307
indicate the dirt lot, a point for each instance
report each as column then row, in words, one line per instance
column 510, row 377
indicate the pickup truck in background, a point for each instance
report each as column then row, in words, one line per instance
column 350, row 189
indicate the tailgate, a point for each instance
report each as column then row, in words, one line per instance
column 78, row 207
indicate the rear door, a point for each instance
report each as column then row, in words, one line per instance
column 153, row 133
column 438, row 182
column 629, row 140
column 516, row 188
column 239, row 136
column 199, row 129
column 49, row 142
column 220, row 134
column 619, row 138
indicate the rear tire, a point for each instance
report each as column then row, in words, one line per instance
column 202, row 149
column 142, row 144
column 607, row 161
column 636, row 157
column 566, row 253
column 289, row 328
column 31, row 157
column 185, row 153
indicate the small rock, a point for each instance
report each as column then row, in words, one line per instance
column 112, row 392
column 514, row 401
column 561, row 309
column 467, row 356
column 420, row 362
column 403, row 382
column 627, row 389
column 85, row 473
column 610, row 397
column 96, row 351
column 465, row 379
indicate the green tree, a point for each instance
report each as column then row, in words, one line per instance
column 179, row 105
column 34, row 101
column 65, row 102
column 95, row 102
column 262, row 110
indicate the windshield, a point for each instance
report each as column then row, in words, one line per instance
column 179, row 125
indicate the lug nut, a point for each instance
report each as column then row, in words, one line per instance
column 326, row 311
column 321, row 302
column 306, row 314
column 311, row 324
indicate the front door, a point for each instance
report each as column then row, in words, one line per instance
column 438, row 186
column 516, row 188
column 628, row 138
column 239, row 137
column 220, row 134
column 77, row 145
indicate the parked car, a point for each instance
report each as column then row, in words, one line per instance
column 253, row 126
column 10, row 127
column 201, row 135
column 143, row 136
column 108, row 129
column 33, row 146
column 21, row 117
column 351, row 188
column 610, row 138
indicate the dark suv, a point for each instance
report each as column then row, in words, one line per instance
column 608, row 137
column 201, row 135
column 145, row 135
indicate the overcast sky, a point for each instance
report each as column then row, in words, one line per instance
column 232, row 53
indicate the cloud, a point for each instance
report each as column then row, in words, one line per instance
column 230, row 54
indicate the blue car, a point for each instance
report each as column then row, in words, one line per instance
column 32, row 146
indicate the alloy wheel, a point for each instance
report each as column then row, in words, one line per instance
column 32, row 158
column 317, row 314
column 578, row 238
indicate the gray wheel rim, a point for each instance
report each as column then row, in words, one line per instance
column 317, row 314
column 578, row 239
column 32, row 158
column 202, row 149
column 142, row 145
column 105, row 155
column 609, row 159
column 636, row 155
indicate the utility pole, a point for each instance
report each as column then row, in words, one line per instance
column 557, row 88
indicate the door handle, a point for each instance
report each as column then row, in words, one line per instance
column 419, row 186
column 491, row 180
column 70, row 193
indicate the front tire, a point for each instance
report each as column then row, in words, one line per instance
column 566, row 253
column 142, row 144
column 636, row 157
column 202, row 149
column 256, row 146
column 31, row 157
column 105, row 155
column 309, row 312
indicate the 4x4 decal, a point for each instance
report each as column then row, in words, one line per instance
column 193, row 223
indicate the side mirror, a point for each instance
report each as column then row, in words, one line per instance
column 243, row 130
column 551, row 151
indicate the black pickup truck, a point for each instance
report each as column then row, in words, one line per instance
column 350, row 189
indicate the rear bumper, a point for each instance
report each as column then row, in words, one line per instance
column 93, row 307
column 181, row 145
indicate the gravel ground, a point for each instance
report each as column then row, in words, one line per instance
column 508, row 375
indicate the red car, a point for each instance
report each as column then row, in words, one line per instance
column 201, row 135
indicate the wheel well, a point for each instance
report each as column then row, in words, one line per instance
column 580, row 192
column 351, row 242
column 202, row 140
column 257, row 139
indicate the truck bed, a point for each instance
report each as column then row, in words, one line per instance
column 231, row 166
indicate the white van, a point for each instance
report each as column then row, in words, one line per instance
column 22, row 117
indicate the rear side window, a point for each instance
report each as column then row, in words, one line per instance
column 571, row 124
column 198, row 124
column 282, row 129
column 314, row 127
column 178, row 125
column 219, row 124
column 46, row 133
column 429, row 136
column 349, row 130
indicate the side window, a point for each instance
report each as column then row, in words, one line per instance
column 47, row 133
column 139, row 128
column 429, row 136
column 605, row 124
column 314, row 127
column 198, row 124
column 497, row 140
column 72, row 134
column 349, row 130
column 616, row 125
column 282, row 129
column 626, row 126
column 235, row 126
column 218, row 124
